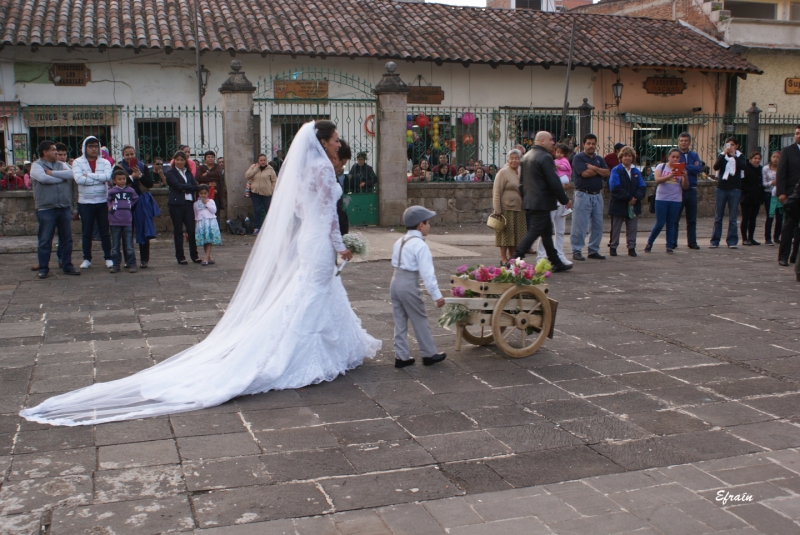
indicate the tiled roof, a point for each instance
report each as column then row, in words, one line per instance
column 365, row 28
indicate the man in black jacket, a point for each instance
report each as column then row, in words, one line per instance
column 542, row 188
column 730, row 171
column 342, row 156
column 786, row 180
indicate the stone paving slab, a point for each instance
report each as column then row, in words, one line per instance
column 667, row 376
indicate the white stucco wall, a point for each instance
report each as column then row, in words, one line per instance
column 769, row 87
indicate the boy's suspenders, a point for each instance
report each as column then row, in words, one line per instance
column 403, row 244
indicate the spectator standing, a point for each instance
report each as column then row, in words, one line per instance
column 671, row 183
column 26, row 175
column 507, row 203
column 277, row 162
column 182, row 186
column 12, row 181
column 559, row 215
column 543, row 190
column 752, row 197
column 442, row 174
column 451, row 170
column 210, row 174
column 612, row 158
column 479, row 175
column 627, row 191
column 694, row 166
column 92, row 174
column 588, row 171
column 730, row 165
column 772, row 207
column 425, row 173
column 462, row 175
column 190, row 163
column 342, row 156
column 52, row 193
column 262, row 180
column 786, row 180
column 146, row 209
column 206, row 227
column 158, row 172
column 121, row 200
column 362, row 177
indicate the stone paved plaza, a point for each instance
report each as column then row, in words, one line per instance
column 670, row 378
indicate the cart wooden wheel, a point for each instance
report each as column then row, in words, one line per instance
column 479, row 334
column 521, row 321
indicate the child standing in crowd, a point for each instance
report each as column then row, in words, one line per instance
column 412, row 260
column 206, row 227
column 121, row 199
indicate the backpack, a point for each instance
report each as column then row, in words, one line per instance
column 235, row 227
column 249, row 227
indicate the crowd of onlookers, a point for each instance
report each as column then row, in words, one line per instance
column 742, row 184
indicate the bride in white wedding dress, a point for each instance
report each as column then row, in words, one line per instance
column 288, row 325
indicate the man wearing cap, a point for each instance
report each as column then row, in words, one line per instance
column 412, row 260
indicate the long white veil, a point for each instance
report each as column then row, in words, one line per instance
column 227, row 362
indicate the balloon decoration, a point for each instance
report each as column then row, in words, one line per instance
column 435, row 143
column 468, row 139
column 409, row 117
column 452, row 145
column 422, row 120
column 467, row 119
column 409, row 125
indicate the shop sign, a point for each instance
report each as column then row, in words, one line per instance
column 792, row 86
column 301, row 89
column 55, row 116
column 425, row 95
column 664, row 85
column 70, row 74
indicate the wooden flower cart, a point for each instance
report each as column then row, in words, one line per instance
column 516, row 318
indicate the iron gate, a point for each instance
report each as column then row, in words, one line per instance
column 283, row 103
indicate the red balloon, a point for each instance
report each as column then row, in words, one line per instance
column 468, row 139
column 422, row 120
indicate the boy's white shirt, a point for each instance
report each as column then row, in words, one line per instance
column 417, row 257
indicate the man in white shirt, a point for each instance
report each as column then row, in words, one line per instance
column 412, row 260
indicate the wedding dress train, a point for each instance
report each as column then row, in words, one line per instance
column 289, row 323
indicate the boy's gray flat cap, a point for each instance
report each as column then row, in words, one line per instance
column 414, row 215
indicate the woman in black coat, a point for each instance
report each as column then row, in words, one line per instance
column 752, row 197
column 182, row 186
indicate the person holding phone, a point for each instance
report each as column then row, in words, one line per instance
column 730, row 164
column 671, row 180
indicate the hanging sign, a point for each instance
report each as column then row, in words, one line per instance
column 70, row 74
column 664, row 85
column 792, row 86
column 425, row 95
column 51, row 116
column 301, row 89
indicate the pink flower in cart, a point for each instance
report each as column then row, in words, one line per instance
column 547, row 274
column 462, row 269
column 458, row 291
column 529, row 272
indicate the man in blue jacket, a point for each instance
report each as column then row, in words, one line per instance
column 693, row 167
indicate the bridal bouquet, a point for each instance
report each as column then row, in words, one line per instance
column 356, row 244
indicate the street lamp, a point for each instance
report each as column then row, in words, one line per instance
column 204, row 78
column 616, row 89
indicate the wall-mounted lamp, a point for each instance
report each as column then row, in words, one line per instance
column 616, row 90
column 204, row 77
column 697, row 110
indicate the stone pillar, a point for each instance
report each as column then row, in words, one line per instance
column 752, row 130
column 392, row 95
column 586, row 121
column 237, row 134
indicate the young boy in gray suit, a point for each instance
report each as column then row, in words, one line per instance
column 412, row 260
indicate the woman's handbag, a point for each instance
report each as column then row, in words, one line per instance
column 497, row 223
column 651, row 200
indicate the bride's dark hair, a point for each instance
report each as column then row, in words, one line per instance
column 324, row 129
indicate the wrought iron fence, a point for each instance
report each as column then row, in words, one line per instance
column 153, row 132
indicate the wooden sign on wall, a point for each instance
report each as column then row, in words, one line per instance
column 70, row 74
column 425, row 95
column 663, row 85
column 792, row 86
column 301, row 89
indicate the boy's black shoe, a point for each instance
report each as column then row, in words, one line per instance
column 562, row 268
column 42, row 274
column 430, row 361
column 403, row 363
column 694, row 246
column 72, row 272
column 612, row 251
column 632, row 252
column 114, row 269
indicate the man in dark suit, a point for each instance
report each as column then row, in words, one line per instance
column 542, row 188
column 342, row 156
column 786, row 181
